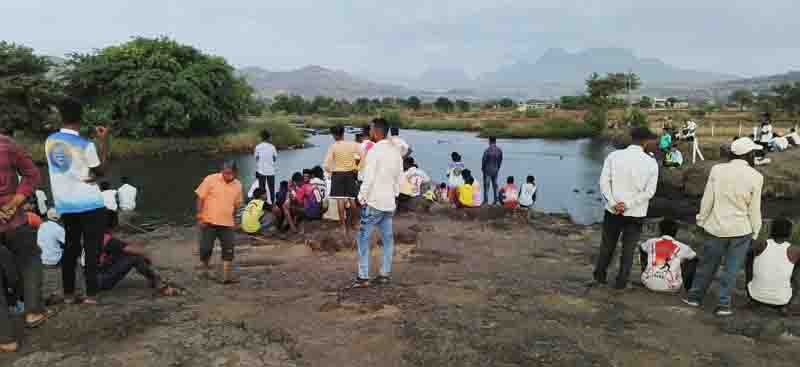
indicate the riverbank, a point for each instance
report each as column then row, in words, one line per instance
column 488, row 291
column 284, row 136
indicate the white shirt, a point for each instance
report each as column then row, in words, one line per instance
column 766, row 134
column 629, row 176
column 383, row 173
column 51, row 238
column 526, row 194
column 110, row 199
column 731, row 205
column 400, row 144
column 781, row 142
column 266, row 159
column 127, row 197
column 664, row 257
column 252, row 191
column 41, row 200
column 772, row 274
column 70, row 158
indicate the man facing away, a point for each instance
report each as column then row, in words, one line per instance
column 75, row 164
column 772, row 270
column 218, row 197
column 397, row 141
column 492, row 160
column 18, row 177
column 730, row 213
column 383, row 172
column 628, row 182
column 266, row 159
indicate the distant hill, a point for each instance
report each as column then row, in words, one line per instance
column 558, row 65
column 444, row 78
column 312, row 81
column 759, row 84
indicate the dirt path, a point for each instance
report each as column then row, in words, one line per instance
column 503, row 293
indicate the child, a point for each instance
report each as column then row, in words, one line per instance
column 253, row 215
column 527, row 195
column 454, row 177
column 666, row 263
column 509, row 194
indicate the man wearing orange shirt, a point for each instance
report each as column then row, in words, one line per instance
column 218, row 197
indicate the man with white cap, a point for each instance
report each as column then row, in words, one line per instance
column 730, row 213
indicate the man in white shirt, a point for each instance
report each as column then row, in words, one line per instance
column 730, row 213
column 127, row 195
column 51, row 238
column 383, row 172
column 266, row 159
column 628, row 182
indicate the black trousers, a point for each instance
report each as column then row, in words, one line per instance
column 110, row 275
column 26, row 257
column 688, row 269
column 267, row 183
column 84, row 233
column 630, row 229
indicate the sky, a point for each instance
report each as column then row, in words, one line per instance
column 404, row 38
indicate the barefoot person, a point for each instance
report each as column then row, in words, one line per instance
column 340, row 161
column 628, row 182
column 730, row 213
column 75, row 164
column 383, row 172
column 19, row 176
column 218, row 197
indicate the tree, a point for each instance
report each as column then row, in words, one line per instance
column 743, row 98
column 462, row 105
column 156, row 86
column 646, row 102
column 443, row 104
column 506, row 103
column 574, row 102
column 320, row 104
column 414, row 103
column 363, row 106
column 26, row 94
column 297, row 105
column 635, row 117
column 672, row 101
column 601, row 90
column 596, row 119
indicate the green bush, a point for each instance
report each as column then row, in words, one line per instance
column 636, row 118
column 596, row 119
column 534, row 113
column 455, row 125
column 393, row 118
column 556, row 128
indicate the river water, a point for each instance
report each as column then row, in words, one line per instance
column 167, row 184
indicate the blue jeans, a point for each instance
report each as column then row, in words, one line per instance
column 371, row 217
column 734, row 249
column 488, row 180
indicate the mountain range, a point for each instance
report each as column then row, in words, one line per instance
column 315, row 80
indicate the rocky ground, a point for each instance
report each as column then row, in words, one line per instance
column 480, row 288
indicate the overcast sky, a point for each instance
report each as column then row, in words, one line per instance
column 742, row 37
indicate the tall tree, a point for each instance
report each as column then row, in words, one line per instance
column 602, row 89
column 443, row 104
column 743, row 98
column 26, row 94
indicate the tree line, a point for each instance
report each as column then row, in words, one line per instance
column 331, row 107
column 144, row 87
column 784, row 97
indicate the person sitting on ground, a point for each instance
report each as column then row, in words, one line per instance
column 397, row 141
column 527, row 194
column 306, row 176
column 253, row 215
column 509, row 194
column 280, row 199
column 251, row 194
column 765, row 134
column 465, row 193
column 127, row 195
column 771, row 268
column 304, row 202
column 793, row 137
column 674, row 158
column 780, row 143
column 414, row 179
column 667, row 265
column 319, row 183
column 454, row 177
column 477, row 195
column 51, row 238
column 665, row 142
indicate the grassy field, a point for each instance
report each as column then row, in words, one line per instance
column 283, row 136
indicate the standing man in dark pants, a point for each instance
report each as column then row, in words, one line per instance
column 492, row 160
column 75, row 164
column 18, row 178
column 266, row 159
column 628, row 182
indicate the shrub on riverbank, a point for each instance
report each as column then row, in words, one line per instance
column 556, row 128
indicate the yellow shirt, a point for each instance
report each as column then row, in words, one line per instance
column 220, row 200
column 342, row 156
column 465, row 194
column 731, row 205
column 251, row 218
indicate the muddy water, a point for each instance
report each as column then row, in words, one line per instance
column 167, row 184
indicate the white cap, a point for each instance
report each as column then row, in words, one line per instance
column 743, row 146
column 52, row 214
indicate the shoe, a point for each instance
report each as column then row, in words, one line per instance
column 723, row 311
column 691, row 303
column 383, row 280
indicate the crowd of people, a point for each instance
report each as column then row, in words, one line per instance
column 362, row 184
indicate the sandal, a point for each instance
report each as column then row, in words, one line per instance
column 360, row 283
column 44, row 317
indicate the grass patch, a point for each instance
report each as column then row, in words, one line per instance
column 452, row 125
column 245, row 139
column 555, row 128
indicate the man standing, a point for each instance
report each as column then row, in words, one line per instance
column 492, row 160
column 383, row 171
column 266, row 158
column 730, row 213
column 628, row 182
column 75, row 166
column 218, row 197
column 18, row 177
